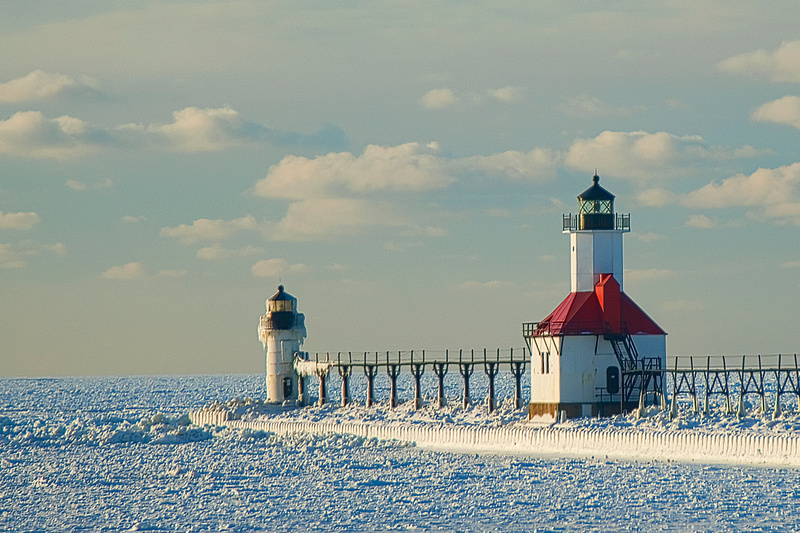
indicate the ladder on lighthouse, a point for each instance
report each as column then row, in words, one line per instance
column 638, row 375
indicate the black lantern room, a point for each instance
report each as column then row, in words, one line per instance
column 596, row 207
column 281, row 310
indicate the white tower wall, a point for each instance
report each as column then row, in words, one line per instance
column 594, row 252
column 282, row 344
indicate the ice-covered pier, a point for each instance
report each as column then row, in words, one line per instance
column 530, row 439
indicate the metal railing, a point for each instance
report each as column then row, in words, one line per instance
column 570, row 222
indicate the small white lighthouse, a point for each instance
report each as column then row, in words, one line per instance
column 282, row 331
column 592, row 354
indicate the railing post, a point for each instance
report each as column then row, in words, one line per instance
column 393, row 370
column 370, row 371
column 742, row 387
column 323, row 376
column 301, row 390
column 517, row 369
column 344, row 373
column 706, row 406
column 466, row 370
column 417, row 369
column 761, row 383
column 776, row 413
column 491, row 368
column 440, row 369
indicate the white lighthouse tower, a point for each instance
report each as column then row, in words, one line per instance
column 597, row 352
column 282, row 331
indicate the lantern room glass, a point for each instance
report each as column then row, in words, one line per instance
column 596, row 206
column 281, row 306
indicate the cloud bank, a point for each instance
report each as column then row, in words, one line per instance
column 39, row 85
column 30, row 134
column 643, row 155
column 785, row 110
column 20, row 221
column 774, row 194
column 782, row 65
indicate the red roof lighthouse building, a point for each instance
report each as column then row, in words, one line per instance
column 597, row 352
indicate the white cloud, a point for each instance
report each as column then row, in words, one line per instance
column 276, row 267
column 218, row 252
column 790, row 264
column 125, row 272
column 215, row 129
column 76, row 185
column 334, row 218
column 133, row 219
column 196, row 130
column 30, row 134
column 57, row 248
column 642, row 155
column 407, row 167
column 507, row 94
column 21, row 221
column 204, row 229
column 782, row 65
column 785, row 110
column 40, row 85
column 439, row 98
column 702, row 221
column 656, row 197
column 15, row 255
column 774, row 193
column 340, row 194
column 538, row 164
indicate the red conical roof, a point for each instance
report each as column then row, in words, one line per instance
column 581, row 313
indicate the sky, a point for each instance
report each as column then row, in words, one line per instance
column 401, row 167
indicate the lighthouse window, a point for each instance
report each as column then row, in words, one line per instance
column 544, row 361
column 281, row 305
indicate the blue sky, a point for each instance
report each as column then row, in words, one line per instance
column 401, row 167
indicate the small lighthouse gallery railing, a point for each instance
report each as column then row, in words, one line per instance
column 415, row 361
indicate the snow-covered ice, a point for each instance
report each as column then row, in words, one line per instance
column 111, row 454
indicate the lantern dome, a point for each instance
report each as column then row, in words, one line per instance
column 596, row 207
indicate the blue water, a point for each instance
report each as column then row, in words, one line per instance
column 113, row 454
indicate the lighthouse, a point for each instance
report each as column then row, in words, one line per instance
column 597, row 352
column 281, row 332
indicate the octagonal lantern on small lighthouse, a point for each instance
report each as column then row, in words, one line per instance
column 597, row 352
column 282, row 331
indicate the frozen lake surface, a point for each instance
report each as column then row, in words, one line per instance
column 111, row 454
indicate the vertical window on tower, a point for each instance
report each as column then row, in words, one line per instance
column 541, row 360
column 547, row 362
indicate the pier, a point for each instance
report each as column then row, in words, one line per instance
column 416, row 362
column 699, row 384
